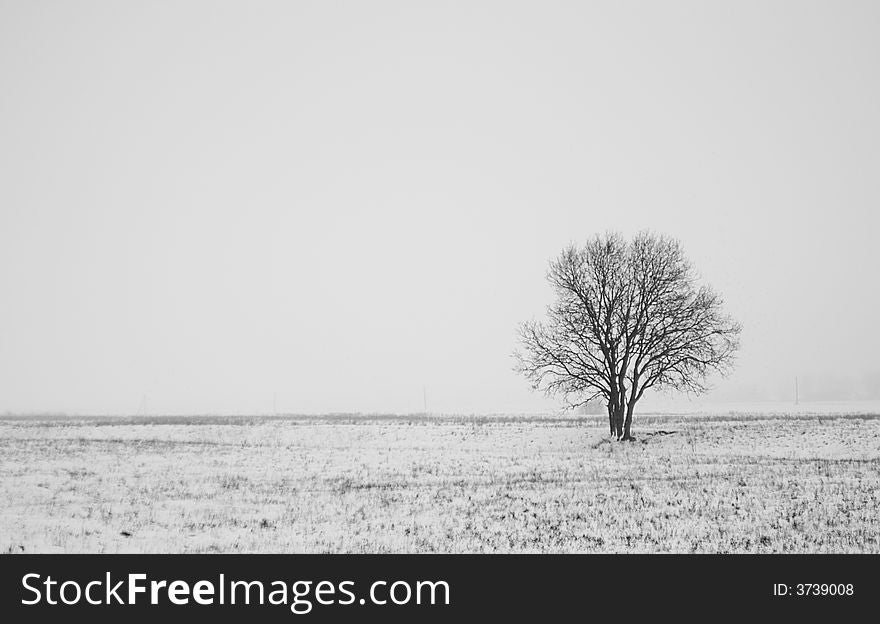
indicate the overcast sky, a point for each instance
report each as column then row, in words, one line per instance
column 315, row 207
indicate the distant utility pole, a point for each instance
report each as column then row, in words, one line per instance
column 425, row 399
column 796, row 393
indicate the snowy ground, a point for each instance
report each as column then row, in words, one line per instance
column 717, row 482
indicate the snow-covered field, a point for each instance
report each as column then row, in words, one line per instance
column 738, row 481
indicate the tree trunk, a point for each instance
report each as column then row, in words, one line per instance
column 613, row 407
column 618, row 421
column 627, row 425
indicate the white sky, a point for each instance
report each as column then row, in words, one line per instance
column 211, row 206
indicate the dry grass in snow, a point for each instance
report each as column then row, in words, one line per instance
column 450, row 484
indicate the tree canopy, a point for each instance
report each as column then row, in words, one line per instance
column 629, row 315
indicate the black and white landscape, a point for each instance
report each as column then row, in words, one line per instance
column 439, row 276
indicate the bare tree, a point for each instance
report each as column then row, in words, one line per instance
column 628, row 316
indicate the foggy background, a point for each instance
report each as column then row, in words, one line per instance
column 318, row 207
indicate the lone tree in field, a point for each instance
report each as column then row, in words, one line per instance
column 628, row 316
